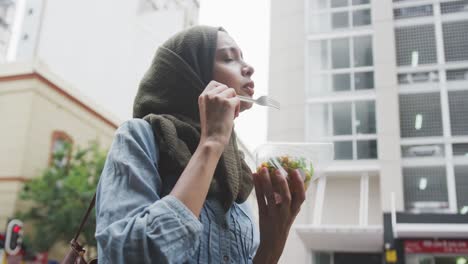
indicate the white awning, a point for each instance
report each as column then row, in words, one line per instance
column 341, row 238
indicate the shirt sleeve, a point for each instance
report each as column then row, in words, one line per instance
column 133, row 223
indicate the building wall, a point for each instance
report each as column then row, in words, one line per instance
column 31, row 111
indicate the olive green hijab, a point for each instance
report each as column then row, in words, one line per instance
column 167, row 98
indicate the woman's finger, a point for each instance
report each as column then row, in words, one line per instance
column 265, row 181
column 280, row 184
column 216, row 89
column 297, row 191
column 262, row 206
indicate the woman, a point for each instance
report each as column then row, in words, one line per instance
column 174, row 185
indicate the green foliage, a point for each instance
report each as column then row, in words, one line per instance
column 60, row 196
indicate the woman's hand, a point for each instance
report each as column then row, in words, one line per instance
column 219, row 106
column 277, row 213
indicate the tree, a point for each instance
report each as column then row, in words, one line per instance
column 60, row 196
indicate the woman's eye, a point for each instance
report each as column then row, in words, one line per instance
column 228, row 59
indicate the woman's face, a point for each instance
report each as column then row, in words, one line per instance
column 231, row 69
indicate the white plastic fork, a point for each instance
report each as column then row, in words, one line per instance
column 262, row 100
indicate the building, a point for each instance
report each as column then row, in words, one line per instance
column 40, row 112
column 387, row 82
column 94, row 46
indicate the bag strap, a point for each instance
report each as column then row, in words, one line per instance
column 85, row 218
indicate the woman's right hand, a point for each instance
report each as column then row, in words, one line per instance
column 218, row 106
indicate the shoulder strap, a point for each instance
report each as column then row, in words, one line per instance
column 85, row 218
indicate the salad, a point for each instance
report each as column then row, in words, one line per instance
column 290, row 164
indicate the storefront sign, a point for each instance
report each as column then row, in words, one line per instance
column 436, row 246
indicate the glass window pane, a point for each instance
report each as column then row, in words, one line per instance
column 361, row 2
column 343, row 150
column 341, row 82
column 318, row 121
column 457, row 75
column 365, row 117
column 461, row 182
column 322, row 258
column 348, row 258
column 460, row 149
column 340, row 53
column 456, row 40
column 454, row 6
column 458, row 104
column 363, row 80
column 425, row 188
column 416, row 45
column 339, row 3
column 367, row 149
column 361, row 17
column 420, row 115
column 363, row 51
column 318, row 55
column 417, row 151
column 340, row 20
column 318, row 84
column 414, row 11
column 342, row 119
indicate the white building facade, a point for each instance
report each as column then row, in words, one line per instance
column 387, row 82
column 96, row 46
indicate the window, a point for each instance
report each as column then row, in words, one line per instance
column 460, row 149
column 455, row 41
column 425, row 188
column 415, row 45
column 341, row 82
column 420, row 115
column 454, row 7
column 331, row 67
column 340, row 53
column 363, row 80
column 361, row 17
column 60, row 155
column 419, row 151
column 458, row 104
column 343, row 150
column 346, row 258
column 340, row 20
column 342, row 119
column 461, row 180
column 363, row 51
column 366, row 149
column 365, row 117
column 413, row 11
column 325, row 16
column 335, row 121
column 457, row 75
column 423, row 77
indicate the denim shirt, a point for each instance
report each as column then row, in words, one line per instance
column 136, row 225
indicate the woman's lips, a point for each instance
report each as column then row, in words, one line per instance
column 249, row 88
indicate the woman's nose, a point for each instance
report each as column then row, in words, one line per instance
column 247, row 70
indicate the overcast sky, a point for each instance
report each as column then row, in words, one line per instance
column 248, row 22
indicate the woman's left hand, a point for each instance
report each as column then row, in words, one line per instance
column 277, row 213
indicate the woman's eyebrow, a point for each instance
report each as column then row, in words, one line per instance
column 230, row 48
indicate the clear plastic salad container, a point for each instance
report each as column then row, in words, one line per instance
column 311, row 159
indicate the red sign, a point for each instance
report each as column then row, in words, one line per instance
column 436, row 246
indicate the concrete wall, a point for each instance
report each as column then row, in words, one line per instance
column 341, row 203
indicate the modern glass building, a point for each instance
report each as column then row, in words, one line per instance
column 387, row 82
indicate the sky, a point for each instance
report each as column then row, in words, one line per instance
column 248, row 22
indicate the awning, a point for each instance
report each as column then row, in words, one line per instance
column 341, row 238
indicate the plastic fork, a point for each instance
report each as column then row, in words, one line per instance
column 262, row 100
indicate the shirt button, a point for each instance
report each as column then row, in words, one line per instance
column 226, row 258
